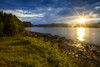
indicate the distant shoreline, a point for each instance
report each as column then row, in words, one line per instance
column 92, row 25
column 66, row 27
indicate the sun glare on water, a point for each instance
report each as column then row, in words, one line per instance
column 81, row 34
column 81, row 31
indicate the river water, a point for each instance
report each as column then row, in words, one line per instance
column 89, row 35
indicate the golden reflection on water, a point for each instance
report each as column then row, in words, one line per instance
column 81, row 33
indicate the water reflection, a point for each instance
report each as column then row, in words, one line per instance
column 81, row 33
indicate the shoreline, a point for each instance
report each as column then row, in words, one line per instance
column 76, row 48
column 64, row 26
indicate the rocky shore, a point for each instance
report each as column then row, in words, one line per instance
column 76, row 48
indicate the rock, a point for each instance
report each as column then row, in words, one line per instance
column 88, row 51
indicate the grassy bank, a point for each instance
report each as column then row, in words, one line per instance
column 33, row 52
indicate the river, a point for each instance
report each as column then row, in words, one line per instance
column 89, row 35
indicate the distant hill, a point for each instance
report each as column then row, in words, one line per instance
column 92, row 25
column 27, row 24
column 54, row 25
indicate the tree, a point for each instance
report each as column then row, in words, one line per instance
column 1, row 28
column 10, row 25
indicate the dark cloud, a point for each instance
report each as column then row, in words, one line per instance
column 48, row 11
column 29, row 4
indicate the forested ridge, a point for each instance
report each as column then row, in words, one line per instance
column 10, row 25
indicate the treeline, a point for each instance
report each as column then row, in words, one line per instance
column 91, row 25
column 54, row 25
column 27, row 24
column 10, row 25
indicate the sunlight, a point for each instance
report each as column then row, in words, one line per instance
column 81, row 34
column 81, row 20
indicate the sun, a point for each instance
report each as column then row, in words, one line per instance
column 81, row 20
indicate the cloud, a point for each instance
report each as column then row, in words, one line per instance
column 97, row 7
column 22, row 13
column 50, row 11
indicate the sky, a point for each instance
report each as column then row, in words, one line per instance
column 52, row 11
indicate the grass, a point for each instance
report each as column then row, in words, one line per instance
column 33, row 52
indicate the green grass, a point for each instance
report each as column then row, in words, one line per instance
column 33, row 52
